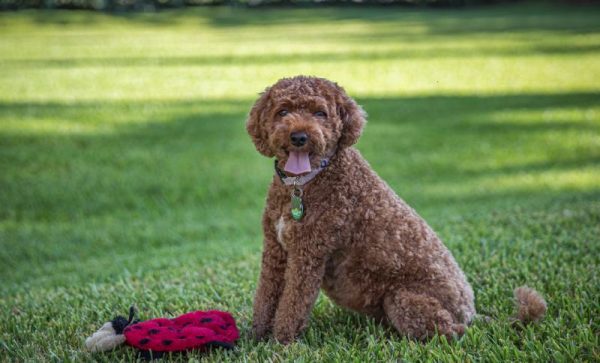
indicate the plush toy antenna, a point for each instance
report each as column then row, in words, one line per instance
column 110, row 335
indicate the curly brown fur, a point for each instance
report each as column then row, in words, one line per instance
column 531, row 306
column 358, row 241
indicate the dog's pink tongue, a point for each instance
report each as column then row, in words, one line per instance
column 297, row 163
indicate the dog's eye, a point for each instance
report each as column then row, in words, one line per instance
column 320, row 114
column 282, row 112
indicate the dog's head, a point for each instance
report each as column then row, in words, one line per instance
column 302, row 120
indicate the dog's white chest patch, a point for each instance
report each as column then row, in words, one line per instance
column 279, row 228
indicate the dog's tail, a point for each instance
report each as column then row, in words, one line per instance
column 530, row 305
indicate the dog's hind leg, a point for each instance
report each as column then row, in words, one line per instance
column 419, row 316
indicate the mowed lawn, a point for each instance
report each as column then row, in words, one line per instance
column 126, row 175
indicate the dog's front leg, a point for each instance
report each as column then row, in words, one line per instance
column 270, row 286
column 303, row 278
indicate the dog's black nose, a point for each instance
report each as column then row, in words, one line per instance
column 299, row 138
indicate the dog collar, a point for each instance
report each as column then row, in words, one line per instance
column 302, row 179
column 296, row 203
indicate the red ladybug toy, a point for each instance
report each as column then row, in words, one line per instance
column 195, row 330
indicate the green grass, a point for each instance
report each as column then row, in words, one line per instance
column 126, row 175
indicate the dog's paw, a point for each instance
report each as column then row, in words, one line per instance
column 458, row 331
column 259, row 332
column 284, row 339
column 284, row 336
column 445, row 326
column 454, row 332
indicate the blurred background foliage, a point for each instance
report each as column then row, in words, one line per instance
column 154, row 5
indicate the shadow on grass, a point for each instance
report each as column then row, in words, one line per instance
column 184, row 173
column 195, row 154
column 441, row 22
column 321, row 57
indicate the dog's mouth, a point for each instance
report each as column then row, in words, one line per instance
column 298, row 162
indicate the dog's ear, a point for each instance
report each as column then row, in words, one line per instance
column 255, row 125
column 353, row 120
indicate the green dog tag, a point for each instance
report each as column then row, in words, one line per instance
column 297, row 207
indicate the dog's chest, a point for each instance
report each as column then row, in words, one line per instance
column 280, row 230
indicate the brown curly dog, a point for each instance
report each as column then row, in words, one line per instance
column 330, row 222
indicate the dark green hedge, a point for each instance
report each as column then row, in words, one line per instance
column 136, row 5
column 106, row 5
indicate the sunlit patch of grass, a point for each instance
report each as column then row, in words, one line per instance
column 578, row 179
column 126, row 174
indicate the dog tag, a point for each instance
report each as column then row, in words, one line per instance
column 297, row 206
